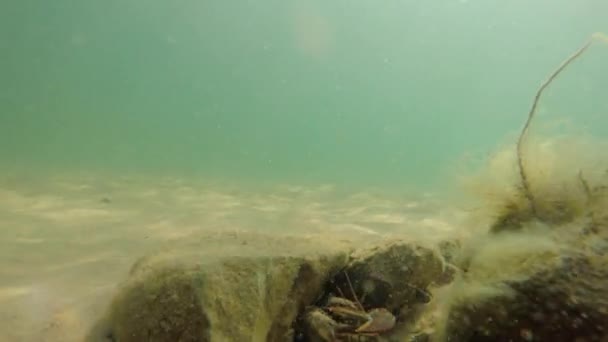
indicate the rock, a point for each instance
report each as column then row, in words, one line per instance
column 198, row 297
column 547, row 285
column 450, row 249
column 173, row 298
column 394, row 276
column 566, row 303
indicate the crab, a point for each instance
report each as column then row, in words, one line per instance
column 344, row 320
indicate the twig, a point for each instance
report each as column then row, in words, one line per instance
column 600, row 36
column 352, row 290
column 525, row 182
column 593, row 224
column 584, row 185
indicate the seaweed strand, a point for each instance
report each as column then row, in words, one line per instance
column 525, row 182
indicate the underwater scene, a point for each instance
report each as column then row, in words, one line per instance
column 303, row 171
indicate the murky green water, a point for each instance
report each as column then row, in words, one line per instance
column 129, row 126
column 362, row 93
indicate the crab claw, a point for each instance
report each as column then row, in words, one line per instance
column 321, row 325
column 381, row 320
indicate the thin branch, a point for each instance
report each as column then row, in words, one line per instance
column 525, row 182
column 352, row 290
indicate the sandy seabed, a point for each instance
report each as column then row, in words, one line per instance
column 67, row 241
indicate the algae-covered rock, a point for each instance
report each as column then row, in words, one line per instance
column 394, row 276
column 194, row 297
column 163, row 305
column 169, row 298
column 539, row 284
column 564, row 303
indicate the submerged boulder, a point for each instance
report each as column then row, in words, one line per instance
column 169, row 297
column 231, row 299
column 542, row 283
column 563, row 303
